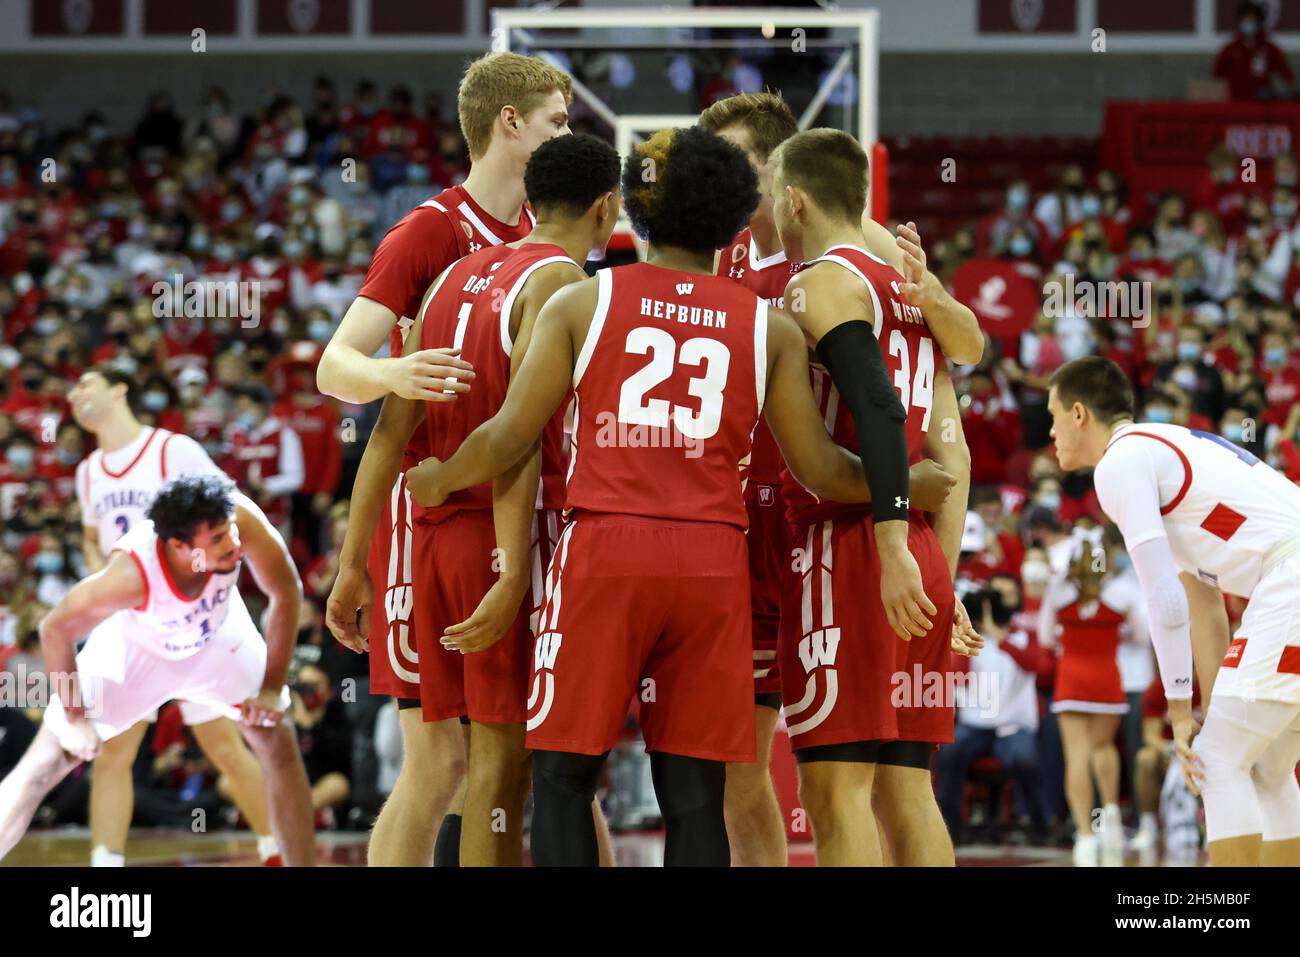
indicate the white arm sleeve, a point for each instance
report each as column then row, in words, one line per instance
column 83, row 469
column 291, row 475
column 1168, row 618
column 1127, row 481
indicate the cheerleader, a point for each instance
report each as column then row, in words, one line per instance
column 1086, row 613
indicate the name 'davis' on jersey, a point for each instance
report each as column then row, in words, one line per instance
column 688, row 315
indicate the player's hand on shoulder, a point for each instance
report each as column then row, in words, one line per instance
column 263, row 711
column 347, row 610
column 81, row 740
column 432, row 375
column 928, row 485
column 423, row 482
column 494, row 615
column 921, row 287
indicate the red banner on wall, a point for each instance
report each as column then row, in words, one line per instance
column 303, row 17
column 1004, row 300
column 1163, row 146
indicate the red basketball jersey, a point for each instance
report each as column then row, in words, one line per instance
column 911, row 357
column 416, row 250
column 470, row 308
column 765, row 278
column 669, row 385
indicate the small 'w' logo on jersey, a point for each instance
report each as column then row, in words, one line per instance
column 685, row 288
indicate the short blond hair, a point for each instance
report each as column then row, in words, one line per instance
column 830, row 166
column 765, row 116
column 503, row 79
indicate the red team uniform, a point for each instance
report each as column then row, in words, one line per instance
column 455, row 542
column 648, row 592
column 768, row 536
column 838, row 655
column 410, row 257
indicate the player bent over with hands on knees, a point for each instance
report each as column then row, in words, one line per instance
column 671, row 367
column 166, row 621
column 1202, row 517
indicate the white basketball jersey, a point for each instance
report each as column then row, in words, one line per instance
column 115, row 501
column 1232, row 516
column 168, row 624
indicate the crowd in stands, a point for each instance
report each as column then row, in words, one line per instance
column 94, row 222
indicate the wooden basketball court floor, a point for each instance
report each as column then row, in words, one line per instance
column 70, row 847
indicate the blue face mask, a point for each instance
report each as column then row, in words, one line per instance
column 48, row 562
column 246, row 421
column 1189, row 351
column 1017, row 199
column 1275, row 356
column 1020, row 246
column 1090, row 206
column 1049, row 500
column 21, row 457
column 1159, row 415
column 293, row 249
column 154, row 401
column 1233, row 433
column 320, row 330
column 200, row 243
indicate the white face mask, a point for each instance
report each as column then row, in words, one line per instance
column 1035, row 572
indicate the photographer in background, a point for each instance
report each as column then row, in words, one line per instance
column 997, row 708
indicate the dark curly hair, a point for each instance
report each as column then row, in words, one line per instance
column 186, row 504
column 569, row 173
column 689, row 188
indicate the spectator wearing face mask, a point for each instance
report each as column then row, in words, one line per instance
column 994, row 230
column 1281, row 377
column 268, row 268
column 992, row 428
column 1189, row 371
column 54, row 578
column 265, row 459
column 314, row 418
column 17, row 472
column 1250, row 63
column 187, row 341
column 1003, row 724
column 1287, row 449
column 57, row 464
column 1063, row 207
column 325, row 738
column 159, row 406
column 1223, row 191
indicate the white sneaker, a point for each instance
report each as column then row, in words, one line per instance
column 1112, row 830
column 1147, row 837
column 1086, row 848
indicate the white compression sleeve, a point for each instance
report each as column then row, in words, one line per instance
column 1168, row 618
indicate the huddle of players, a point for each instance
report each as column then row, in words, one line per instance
column 538, row 597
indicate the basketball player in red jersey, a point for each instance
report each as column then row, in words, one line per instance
column 844, row 711
column 648, row 591
column 508, row 105
column 486, row 548
column 758, row 123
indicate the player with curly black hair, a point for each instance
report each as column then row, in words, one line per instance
column 166, row 621
column 473, row 587
column 648, row 593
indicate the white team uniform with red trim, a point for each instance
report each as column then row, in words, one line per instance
column 203, row 650
column 115, row 489
column 1233, row 522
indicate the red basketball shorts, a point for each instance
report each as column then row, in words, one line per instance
column 394, row 659
column 457, row 562
column 768, row 540
column 648, row 608
column 845, row 675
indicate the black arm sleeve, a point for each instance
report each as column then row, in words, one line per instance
column 851, row 354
